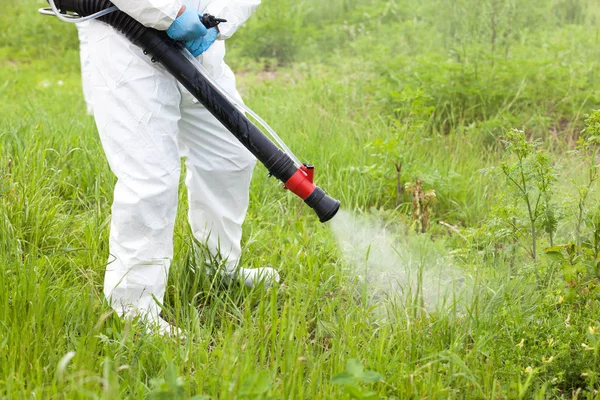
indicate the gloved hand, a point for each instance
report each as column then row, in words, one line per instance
column 187, row 26
column 200, row 45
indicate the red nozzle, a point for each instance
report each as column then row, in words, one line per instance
column 301, row 183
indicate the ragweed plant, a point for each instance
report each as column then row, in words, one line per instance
column 531, row 174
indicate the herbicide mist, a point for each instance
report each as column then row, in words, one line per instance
column 397, row 267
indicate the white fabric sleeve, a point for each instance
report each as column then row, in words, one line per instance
column 236, row 12
column 157, row 14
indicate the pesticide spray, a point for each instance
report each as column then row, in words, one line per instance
column 396, row 267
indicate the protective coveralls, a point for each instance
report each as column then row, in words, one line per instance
column 86, row 67
column 146, row 122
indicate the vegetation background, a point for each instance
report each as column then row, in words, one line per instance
column 469, row 121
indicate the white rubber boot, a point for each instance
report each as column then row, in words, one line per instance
column 163, row 328
column 250, row 277
column 255, row 276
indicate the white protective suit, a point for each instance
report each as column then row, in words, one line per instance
column 86, row 66
column 146, row 122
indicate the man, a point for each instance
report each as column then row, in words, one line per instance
column 147, row 121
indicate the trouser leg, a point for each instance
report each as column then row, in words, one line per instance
column 84, row 55
column 136, row 106
column 219, row 171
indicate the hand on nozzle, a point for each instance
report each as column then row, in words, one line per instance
column 210, row 21
column 200, row 45
column 187, row 26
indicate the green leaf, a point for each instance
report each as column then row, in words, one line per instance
column 343, row 378
column 354, row 367
column 555, row 253
column 570, row 274
column 371, row 376
column 580, row 268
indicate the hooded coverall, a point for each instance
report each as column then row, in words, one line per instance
column 147, row 121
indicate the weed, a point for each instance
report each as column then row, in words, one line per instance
column 354, row 378
column 532, row 176
column 422, row 203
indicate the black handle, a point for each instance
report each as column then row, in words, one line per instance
column 210, row 21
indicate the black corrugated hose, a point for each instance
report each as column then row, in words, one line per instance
column 166, row 51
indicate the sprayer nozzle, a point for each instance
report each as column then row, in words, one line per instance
column 325, row 206
column 210, row 21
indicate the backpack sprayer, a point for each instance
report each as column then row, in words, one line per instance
column 279, row 161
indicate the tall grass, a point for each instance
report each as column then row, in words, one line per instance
column 354, row 87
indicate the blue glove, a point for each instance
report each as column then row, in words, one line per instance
column 200, row 45
column 187, row 26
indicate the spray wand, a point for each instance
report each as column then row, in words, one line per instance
column 279, row 161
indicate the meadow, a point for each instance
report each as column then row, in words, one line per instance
column 457, row 133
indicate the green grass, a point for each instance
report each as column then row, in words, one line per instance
column 353, row 87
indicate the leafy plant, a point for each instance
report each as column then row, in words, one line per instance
column 531, row 175
column 580, row 267
column 412, row 107
column 355, row 378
